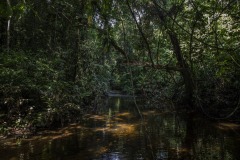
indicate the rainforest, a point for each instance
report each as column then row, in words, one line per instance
column 111, row 79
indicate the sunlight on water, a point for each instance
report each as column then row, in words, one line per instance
column 118, row 133
column 118, row 129
column 227, row 126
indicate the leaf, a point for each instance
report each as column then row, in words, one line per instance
column 89, row 20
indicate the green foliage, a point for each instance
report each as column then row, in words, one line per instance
column 5, row 10
column 63, row 55
column 32, row 92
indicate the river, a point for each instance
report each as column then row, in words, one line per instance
column 118, row 132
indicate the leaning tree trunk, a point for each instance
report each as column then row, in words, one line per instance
column 185, row 72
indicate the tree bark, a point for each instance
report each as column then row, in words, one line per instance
column 185, row 72
column 78, row 52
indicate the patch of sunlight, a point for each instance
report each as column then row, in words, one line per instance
column 104, row 150
column 118, row 119
column 102, row 129
column 124, row 115
column 124, row 129
column 62, row 133
column 147, row 113
column 227, row 126
column 98, row 117
column 120, row 129
column 46, row 135
column 11, row 143
column 100, row 150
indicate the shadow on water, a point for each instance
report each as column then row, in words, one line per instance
column 117, row 132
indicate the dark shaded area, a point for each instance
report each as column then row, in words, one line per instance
column 117, row 132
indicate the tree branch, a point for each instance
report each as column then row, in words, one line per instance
column 142, row 34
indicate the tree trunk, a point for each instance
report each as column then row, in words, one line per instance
column 185, row 72
column 8, row 34
column 78, row 52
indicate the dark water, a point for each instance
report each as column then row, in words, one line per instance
column 119, row 133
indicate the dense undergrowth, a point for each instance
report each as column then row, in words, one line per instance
column 34, row 93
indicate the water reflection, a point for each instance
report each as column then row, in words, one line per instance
column 117, row 133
